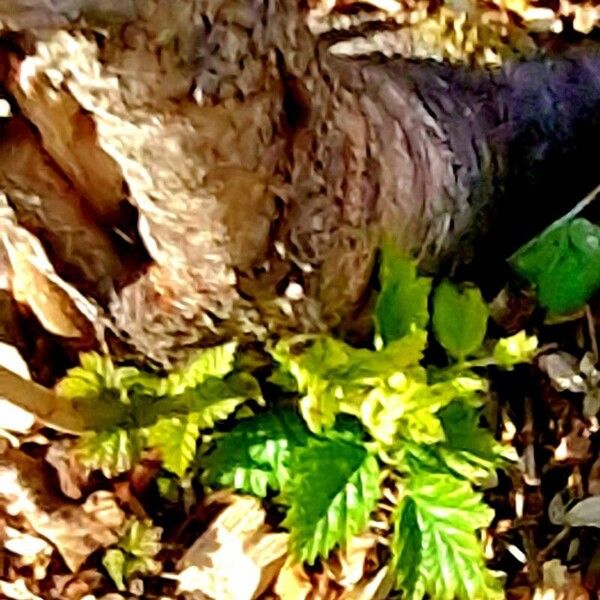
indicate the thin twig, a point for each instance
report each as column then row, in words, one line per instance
column 579, row 206
column 592, row 332
column 557, row 539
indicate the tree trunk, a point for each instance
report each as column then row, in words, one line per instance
column 263, row 168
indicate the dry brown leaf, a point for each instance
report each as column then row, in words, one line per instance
column 60, row 308
column 575, row 446
column 72, row 475
column 239, row 537
column 75, row 530
column 45, row 202
column 76, row 586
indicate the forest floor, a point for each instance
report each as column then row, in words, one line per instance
column 72, row 532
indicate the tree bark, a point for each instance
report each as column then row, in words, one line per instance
column 264, row 169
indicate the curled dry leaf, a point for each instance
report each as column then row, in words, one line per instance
column 563, row 371
column 72, row 475
column 584, row 514
column 239, row 537
column 60, row 308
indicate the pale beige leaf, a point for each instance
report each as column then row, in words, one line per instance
column 13, row 417
column 17, row 590
column 352, row 559
column 377, row 587
column 23, row 544
column 292, row 582
column 237, row 537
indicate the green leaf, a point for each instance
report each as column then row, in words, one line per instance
column 335, row 377
column 518, row 348
column 402, row 302
column 460, row 318
column 213, row 362
column 333, row 488
column 168, row 488
column 255, row 455
column 216, row 399
column 134, row 552
column 141, row 539
column 470, row 451
column 96, row 376
column 563, row 263
column 112, row 451
column 175, row 438
column 114, row 563
column 449, row 513
column 406, row 549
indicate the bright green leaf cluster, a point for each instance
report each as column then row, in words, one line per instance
column 132, row 410
column 134, row 553
column 516, row 349
column 362, row 415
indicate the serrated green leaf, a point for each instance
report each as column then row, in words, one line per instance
column 516, row 349
column 141, row 539
column 406, row 549
column 96, row 376
column 254, row 456
column 333, row 488
column 175, row 438
column 460, row 318
column 470, row 451
column 563, row 263
column 112, row 451
column 114, row 563
column 99, row 391
column 134, row 552
column 402, row 302
column 449, row 513
column 213, row 362
column 216, row 399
